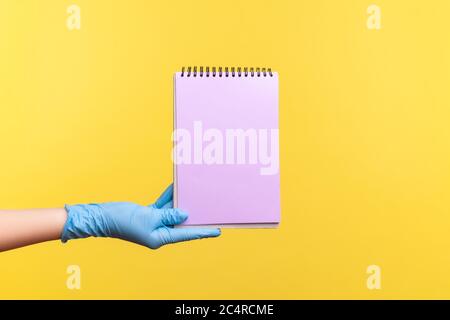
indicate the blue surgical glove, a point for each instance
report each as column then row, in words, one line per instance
column 150, row 226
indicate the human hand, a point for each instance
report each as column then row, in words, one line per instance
column 150, row 226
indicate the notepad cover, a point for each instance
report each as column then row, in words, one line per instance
column 235, row 195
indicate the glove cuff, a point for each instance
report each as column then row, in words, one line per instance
column 83, row 220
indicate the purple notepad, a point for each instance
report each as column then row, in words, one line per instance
column 226, row 146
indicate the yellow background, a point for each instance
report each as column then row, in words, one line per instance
column 86, row 116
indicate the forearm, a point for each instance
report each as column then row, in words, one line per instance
column 20, row 228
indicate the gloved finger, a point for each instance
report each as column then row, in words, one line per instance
column 186, row 234
column 164, row 198
column 171, row 217
column 168, row 205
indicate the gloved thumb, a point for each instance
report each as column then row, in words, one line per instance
column 164, row 198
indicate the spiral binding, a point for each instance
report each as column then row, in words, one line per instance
column 225, row 72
